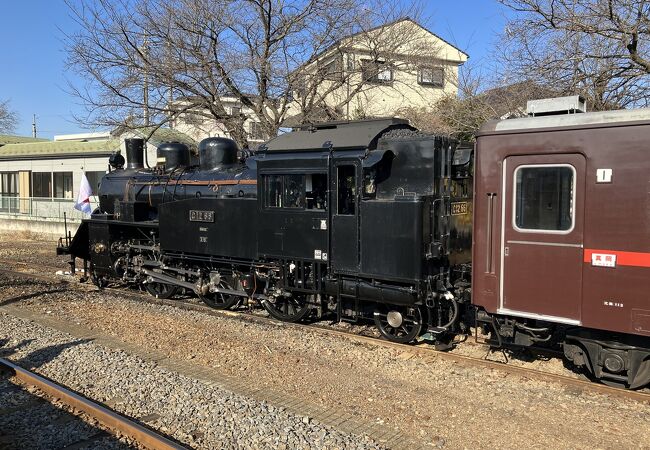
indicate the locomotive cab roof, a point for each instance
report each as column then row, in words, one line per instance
column 357, row 134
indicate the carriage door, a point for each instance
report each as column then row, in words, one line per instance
column 541, row 265
column 345, row 216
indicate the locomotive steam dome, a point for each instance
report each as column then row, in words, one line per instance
column 173, row 155
column 215, row 152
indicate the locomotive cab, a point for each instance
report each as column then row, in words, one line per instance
column 360, row 216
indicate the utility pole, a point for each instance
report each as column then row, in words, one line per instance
column 34, row 125
column 145, row 80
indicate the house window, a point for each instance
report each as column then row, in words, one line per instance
column 42, row 184
column 431, row 76
column 331, row 69
column 62, row 184
column 9, row 191
column 235, row 111
column 350, row 60
column 376, row 72
column 9, row 184
column 94, row 178
column 544, row 198
column 256, row 133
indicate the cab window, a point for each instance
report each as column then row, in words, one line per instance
column 295, row 191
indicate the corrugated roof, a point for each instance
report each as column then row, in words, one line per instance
column 159, row 136
column 59, row 148
column 6, row 139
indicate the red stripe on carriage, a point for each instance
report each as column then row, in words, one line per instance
column 635, row 259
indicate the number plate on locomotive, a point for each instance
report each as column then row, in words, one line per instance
column 201, row 216
column 458, row 208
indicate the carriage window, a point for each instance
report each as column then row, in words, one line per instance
column 347, row 187
column 273, row 187
column 294, row 191
column 544, row 198
column 316, row 191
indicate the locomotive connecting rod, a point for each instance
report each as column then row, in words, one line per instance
column 171, row 280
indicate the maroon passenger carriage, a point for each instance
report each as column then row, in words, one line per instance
column 562, row 238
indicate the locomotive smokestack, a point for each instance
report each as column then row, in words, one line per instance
column 134, row 153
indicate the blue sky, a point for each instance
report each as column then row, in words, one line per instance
column 34, row 79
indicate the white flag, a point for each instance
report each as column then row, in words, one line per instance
column 83, row 200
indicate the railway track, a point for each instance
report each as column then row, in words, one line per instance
column 424, row 351
column 114, row 423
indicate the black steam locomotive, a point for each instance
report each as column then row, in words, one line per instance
column 359, row 220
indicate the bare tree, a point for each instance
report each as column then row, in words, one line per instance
column 481, row 98
column 8, row 118
column 597, row 48
column 152, row 61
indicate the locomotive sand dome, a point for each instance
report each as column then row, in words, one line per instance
column 372, row 220
column 217, row 152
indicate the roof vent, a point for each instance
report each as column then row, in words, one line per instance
column 554, row 106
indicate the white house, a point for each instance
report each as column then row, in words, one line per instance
column 40, row 179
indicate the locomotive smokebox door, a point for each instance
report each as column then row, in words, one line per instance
column 543, row 236
column 344, row 186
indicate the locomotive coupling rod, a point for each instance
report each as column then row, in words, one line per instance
column 171, row 280
column 106, row 416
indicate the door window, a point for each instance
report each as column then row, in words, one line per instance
column 544, row 197
column 347, row 187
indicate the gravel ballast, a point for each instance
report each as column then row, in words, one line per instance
column 194, row 413
column 29, row 421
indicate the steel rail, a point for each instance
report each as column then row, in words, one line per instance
column 116, row 423
column 425, row 352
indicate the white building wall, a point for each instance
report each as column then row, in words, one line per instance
column 55, row 207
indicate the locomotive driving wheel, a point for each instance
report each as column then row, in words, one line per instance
column 161, row 290
column 218, row 300
column 398, row 323
column 288, row 309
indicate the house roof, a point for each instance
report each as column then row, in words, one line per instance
column 339, row 42
column 50, row 149
column 10, row 139
column 159, row 136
